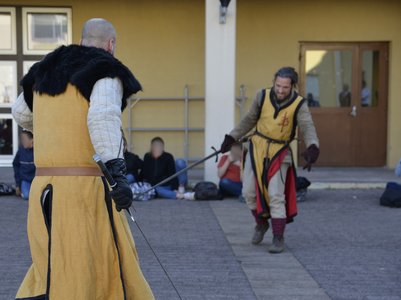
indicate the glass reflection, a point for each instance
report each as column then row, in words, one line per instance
column 6, row 137
column 370, row 78
column 5, row 31
column 328, row 78
column 46, row 31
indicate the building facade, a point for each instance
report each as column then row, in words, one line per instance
column 199, row 76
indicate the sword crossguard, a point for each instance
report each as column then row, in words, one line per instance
column 216, row 152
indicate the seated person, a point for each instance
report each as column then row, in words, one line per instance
column 229, row 171
column 133, row 163
column 398, row 169
column 24, row 167
column 159, row 165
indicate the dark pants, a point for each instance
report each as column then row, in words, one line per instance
column 230, row 188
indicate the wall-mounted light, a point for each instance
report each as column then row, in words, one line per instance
column 223, row 10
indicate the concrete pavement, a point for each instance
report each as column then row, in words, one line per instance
column 185, row 235
column 272, row 276
column 342, row 245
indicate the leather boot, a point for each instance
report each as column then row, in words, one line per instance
column 277, row 245
column 278, row 227
column 259, row 233
column 260, row 229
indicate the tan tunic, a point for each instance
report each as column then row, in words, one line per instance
column 86, row 251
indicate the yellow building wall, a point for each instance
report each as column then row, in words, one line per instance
column 162, row 42
column 269, row 32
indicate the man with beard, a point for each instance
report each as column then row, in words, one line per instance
column 269, row 172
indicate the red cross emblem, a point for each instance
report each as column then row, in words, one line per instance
column 284, row 122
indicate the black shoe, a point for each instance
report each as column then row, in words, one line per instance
column 260, row 230
column 277, row 244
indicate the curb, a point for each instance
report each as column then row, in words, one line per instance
column 346, row 185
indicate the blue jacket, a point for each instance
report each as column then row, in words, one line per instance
column 24, row 168
column 398, row 169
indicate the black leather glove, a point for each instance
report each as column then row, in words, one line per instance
column 121, row 193
column 310, row 155
column 227, row 143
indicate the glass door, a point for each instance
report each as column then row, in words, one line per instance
column 327, row 82
column 371, row 114
column 345, row 85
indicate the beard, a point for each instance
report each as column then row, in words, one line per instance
column 281, row 97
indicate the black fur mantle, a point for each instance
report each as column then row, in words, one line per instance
column 82, row 67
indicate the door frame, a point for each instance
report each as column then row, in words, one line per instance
column 356, row 48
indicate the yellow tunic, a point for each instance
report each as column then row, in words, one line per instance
column 75, row 253
column 275, row 129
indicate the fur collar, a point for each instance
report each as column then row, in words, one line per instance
column 79, row 65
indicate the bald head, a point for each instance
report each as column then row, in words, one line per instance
column 99, row 33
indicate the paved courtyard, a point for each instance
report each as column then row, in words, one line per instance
column 342, row 245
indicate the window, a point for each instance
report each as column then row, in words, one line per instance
column 44, row 29
column 370, row 78
column 27, row 34
column 8, row 82
column 27, row 64
column 340, row 75
column 8, row 138
column 328, row 78
column 7, row 31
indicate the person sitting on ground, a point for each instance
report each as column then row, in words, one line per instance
column 398, row 169
column 133, row 162
column 229, row 172
column 159, row 165
column 23, row 164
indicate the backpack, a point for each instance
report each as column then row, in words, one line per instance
column 206, row 190
column 392, row 195
column 302, row 185
column 6, row 189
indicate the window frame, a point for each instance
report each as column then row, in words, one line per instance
column 44, row 10
column 328, row 46
column 21, row 58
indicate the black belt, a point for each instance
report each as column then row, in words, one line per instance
column 271, row 140
column 68, row 171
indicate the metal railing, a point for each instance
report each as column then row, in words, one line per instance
column 186, row 129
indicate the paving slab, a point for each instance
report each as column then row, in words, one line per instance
column 279, row 276
column 342, row 245
column 349, row 243
column 185, row 235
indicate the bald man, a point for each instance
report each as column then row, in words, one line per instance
column 80, row 241
column 99, row 33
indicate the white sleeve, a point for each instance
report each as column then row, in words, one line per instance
column 104, row 118
column 22, row 114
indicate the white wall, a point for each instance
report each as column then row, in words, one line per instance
column 220, row 79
